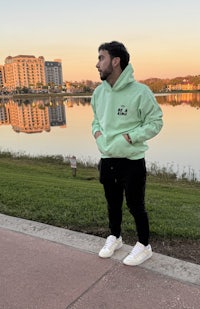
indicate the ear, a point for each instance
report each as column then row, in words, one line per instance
column 116, row 61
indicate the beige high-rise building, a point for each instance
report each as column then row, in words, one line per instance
column 24, row 71
column 2, row 80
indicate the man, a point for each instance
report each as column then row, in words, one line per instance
column 126, row 114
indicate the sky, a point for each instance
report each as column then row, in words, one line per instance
column 162, row 37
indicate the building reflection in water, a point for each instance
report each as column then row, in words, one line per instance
column 33, row 116
column 39, row 115
column 181, row 115
column 189, row 98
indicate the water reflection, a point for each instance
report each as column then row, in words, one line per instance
column 65, row 129
column 37, row 115
column 192, row 99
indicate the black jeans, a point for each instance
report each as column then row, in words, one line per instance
column 120, row 176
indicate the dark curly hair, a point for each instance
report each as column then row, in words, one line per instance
column 117, row 49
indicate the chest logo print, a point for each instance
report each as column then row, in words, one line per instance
column 122, row 110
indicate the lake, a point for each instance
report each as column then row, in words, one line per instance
column 62, row 126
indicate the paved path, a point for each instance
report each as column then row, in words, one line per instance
column 45, row 267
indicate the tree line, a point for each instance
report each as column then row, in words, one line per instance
column 159, row 85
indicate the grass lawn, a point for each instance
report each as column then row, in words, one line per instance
column 44, row 189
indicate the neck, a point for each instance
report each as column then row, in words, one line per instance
column 113, row 77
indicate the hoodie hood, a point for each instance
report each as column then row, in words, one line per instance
column 125, row 78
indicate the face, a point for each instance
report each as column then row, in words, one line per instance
column 104, row 65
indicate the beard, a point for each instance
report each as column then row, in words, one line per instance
column 105, row 74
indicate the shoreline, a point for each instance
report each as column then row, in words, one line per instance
column 43, row 95
column 49, row 95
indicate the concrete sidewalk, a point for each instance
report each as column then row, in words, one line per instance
column 45, row 267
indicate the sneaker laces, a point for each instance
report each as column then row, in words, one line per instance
column 109, row 242
column 138, row 248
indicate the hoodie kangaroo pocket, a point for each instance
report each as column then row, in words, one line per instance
column 120, row 148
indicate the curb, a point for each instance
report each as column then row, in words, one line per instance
column 168, row 266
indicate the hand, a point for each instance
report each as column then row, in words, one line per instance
column 127, row 138
column 97, row 134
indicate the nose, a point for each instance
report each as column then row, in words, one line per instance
column 97, row 65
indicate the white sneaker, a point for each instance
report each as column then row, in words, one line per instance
column 138, row 255
column 112, row 243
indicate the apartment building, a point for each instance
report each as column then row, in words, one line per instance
column 53, row 72
column 24, row 71
column 184, row 86
column 2, row 79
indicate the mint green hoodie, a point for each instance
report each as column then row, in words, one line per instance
column 127, row 107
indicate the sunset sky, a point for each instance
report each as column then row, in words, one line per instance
column 162, row 37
